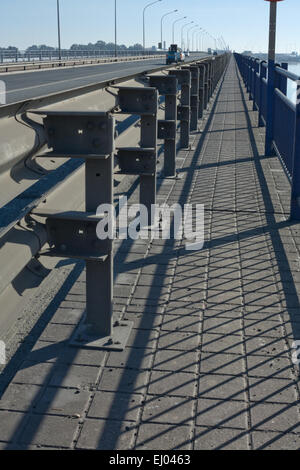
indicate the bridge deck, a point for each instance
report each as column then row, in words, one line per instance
column 209, row 362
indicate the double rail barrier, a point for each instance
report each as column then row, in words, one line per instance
column 267, row 87
column 113, row 128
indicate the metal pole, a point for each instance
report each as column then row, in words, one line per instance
column 295, row 195
column 186, row 24
column 116, row 53
column 58, row 31
column 173, row 28
column 161, row 24
column 271, row 78
column 187, row 36
column 145, row 8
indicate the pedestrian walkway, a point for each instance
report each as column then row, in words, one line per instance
column 209, row 362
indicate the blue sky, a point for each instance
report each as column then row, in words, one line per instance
column 242, row 23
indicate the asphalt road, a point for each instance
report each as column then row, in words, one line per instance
column 26, row 85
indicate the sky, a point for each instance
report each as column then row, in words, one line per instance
column 242, row 23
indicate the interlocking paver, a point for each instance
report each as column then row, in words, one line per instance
column 106, row 435
column 163, row 437
column 168, row 410
column 220, row 439
column 221, row 413
column 54, row 431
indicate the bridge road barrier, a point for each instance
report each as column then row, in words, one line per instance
column 194, row 98
column 202, row 72
column 167, row 86
column 90, row 135
column 141, row 160
column 183, row 109
column 280, row 116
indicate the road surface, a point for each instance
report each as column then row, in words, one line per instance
column 21, row 86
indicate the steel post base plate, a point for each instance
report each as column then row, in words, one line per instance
column 162, row 176
column 83, row 338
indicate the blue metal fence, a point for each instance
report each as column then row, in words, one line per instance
column 267, row 87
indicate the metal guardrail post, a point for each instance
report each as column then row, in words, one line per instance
column 209, row 81
column 206, row 82
column 88, row 135
column 295, row 196
column 262, row 74
column 251, row 79
column 202, row 72
column 141, row 160
column 194, row 100
column 184, row 110
column 194, row 97
column 255, row 71
column 248, row 82
column 167, row 86
column 270, row 108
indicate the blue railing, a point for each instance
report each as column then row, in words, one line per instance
column 267, row 87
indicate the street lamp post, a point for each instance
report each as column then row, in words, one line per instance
column 58, row 31
column 173, row 27
column 144, row 11
column 184, row 26
column 161, row 24
column 201, row 40
column 188, row 37
column 271, row 77
column 193, row 37
column 116, row 53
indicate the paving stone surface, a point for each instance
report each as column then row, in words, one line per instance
column 208, row 364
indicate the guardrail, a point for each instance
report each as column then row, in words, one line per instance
column 74, row 129
column 267, row 87
column 67, row 54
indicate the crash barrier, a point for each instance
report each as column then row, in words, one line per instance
column 266, row 84
column 91, row 135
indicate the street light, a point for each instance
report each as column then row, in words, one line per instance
column 145, row 8
column 193, row 37
column 186, row 24
column 271, row 79
column 58, row 31
column 187, row 36
column 161, row 24
column 173, row 27
column 200, row 39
